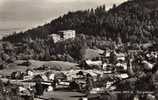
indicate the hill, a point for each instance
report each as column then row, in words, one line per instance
column 134, row 21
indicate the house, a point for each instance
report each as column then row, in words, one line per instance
column 121, row 56
column 40, row 77
column 67, row 34
column 63, row 35
column 29, row 72
column 93, row 64
column 121, row 66
column 55, row 37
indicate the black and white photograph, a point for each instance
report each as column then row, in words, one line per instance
column 78, row 49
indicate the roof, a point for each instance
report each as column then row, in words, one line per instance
column 147, row 45
column 97, row 63
column 60, row 75
column 40, row 77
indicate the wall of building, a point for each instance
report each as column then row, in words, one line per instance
column 69, row 34
column 55, row 37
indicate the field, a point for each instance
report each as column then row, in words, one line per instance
column 62, row 95
column 36, row 64
column 59, row 94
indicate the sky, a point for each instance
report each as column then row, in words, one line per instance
column 20, row 15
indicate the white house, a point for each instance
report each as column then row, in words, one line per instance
column 29, row 72
column 55, row 37
column 63, row 35
column 94, row 63
column 120, row 56
column 67, row 34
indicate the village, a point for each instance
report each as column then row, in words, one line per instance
column 101, row 75
column 106, row 52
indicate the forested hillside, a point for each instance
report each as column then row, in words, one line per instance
column 87, row 22
column 134, row 21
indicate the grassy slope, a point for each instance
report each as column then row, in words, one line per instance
column 36, row 64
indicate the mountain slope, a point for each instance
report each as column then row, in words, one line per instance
column 134, row 20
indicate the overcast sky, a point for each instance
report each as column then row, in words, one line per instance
column 18, row 15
